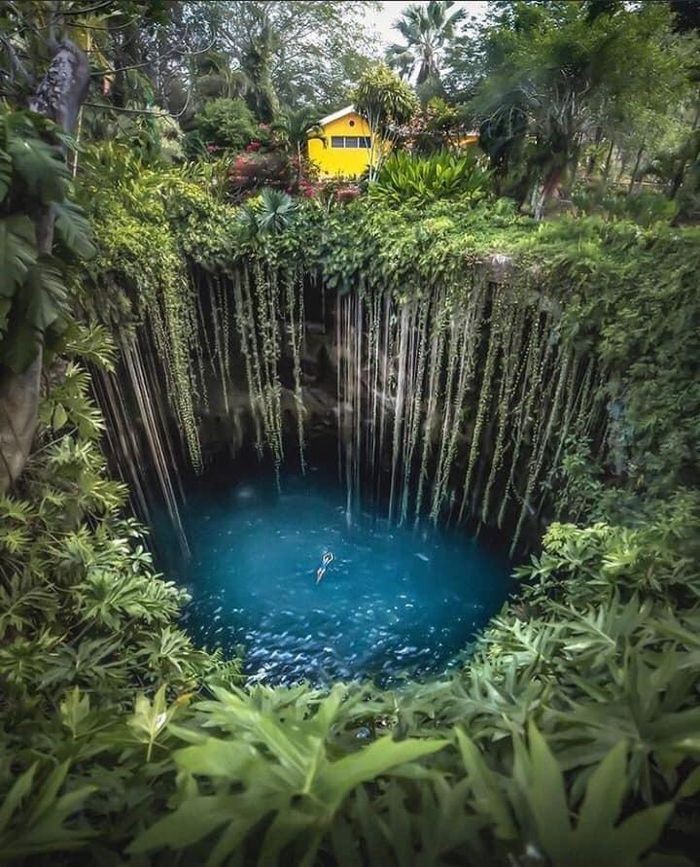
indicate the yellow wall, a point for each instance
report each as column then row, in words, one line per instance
column 341, row 161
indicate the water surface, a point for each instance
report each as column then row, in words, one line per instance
column 393, row 601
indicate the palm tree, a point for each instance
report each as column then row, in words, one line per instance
column 297, row 126
column 426, row 30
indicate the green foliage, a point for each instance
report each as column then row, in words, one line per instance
column 580, row 708
column 33, row 177
column 644, row 208
column 383, row 98
column 81, row 603
column 405, row 178
column 226, row 123
column 269, row 213
column 568, row 737
column 426, row 30
column 546, row 78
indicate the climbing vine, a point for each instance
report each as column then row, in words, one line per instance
column 460, row 342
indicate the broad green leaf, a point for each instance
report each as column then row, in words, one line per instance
column 217, row 758
column 604, row 793
column 60, row 417
column 546, row 796
column 74, row 709
column 640, row 831
column 49, row 791
column 285, row 827
column 17, row 252
column 341, row 777
column 20, row 789
column 691, row 786
column 41, row 166
column 5, row 174
column 489, row 798
column 74, row 229
column 250, row 808
column 192, row 821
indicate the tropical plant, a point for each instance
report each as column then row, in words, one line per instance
column 418, row 180
column 426, row 31
column 305, row 71
column 296, row 128
column 385, row 101
column 226, row 123
column 268, row 213
column 548, row 78
column 579, row 703
column 34, row 185
column 256, row 60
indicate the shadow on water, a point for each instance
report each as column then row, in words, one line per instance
column 393, row 600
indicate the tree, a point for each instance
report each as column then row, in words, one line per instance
column 256, row 60
column 386, row 102
column 426, row 31
column 318, row 50
column 32, row 295
column 296, row 127
column 557, row 75
column 225, row 123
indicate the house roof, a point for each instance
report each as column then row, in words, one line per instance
column 350, row 109
column 329, row 118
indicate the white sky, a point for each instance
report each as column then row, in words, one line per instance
column 391, row 10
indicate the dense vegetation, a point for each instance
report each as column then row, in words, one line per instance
column 570, row 733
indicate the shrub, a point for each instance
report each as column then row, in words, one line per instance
column 226, row 123
column 251, row 171
column 405, row 177
column 645, row 208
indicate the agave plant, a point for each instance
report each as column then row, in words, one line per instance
column 269, row 213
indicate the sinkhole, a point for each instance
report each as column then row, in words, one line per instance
column 377, row 431
column 392, row 601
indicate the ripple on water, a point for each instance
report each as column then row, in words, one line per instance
column 393, row 600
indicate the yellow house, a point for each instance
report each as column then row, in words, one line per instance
column 347, row 147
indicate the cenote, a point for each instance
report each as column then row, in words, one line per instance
column 396, row 438
column 393, row 601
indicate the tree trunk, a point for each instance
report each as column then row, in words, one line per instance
column 688, row 159
column 59, row 97
column 637, row 161
column 608, row 159
column 593, row 158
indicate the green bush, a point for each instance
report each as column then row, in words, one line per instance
column 405, row 177
column 226, row 123
column 645, row 208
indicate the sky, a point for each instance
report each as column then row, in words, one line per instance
column 391, row 10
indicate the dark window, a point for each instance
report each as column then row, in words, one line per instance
column 365, row 141
column 337, row 141
column 351, row 141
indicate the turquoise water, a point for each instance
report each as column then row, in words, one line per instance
column 393, row 600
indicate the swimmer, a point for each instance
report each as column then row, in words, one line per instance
column 321, row 571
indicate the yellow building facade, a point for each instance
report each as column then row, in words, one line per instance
column 346, row 148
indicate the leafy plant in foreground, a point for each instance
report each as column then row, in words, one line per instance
column 407, row 178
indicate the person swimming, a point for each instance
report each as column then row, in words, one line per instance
column 326, row 561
